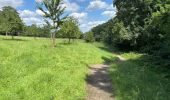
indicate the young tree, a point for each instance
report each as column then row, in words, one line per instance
column 53, row 11
column 89, row 37
column 70, row 29
column 34, row 31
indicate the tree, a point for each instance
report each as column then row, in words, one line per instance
column 35, row 31
column 137, row 15
column 2, row 22
column 139, row 24
column 12, row 23
column 70, row 29
column 53, row 11
column 32, row 31
column 89, row 37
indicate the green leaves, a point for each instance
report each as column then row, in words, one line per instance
column 138, row 24
column 53, row 10
column 70, row 28
column 10, row 21
column 89, row 37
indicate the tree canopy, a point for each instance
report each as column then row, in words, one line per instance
column 53, row 12
column 70, row 29
column 140, row 25
column 10, row 22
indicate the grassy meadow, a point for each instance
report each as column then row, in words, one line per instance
column 30, row 69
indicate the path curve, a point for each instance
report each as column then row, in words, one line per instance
column 99, row 86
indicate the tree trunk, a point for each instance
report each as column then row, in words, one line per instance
column 12, row 37
column 34, row 37
column 69, row 40
column 6, row 34
column 53, row 39
column 53, row 34
column 73, row 39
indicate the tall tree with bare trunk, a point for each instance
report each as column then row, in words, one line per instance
column 53, row 11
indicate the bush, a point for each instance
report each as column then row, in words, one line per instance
column 89, row 37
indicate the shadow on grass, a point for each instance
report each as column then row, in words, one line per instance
column 99, row 76
column 65, row 43
column 138, row 79
column 14, row 39
column 112, row 49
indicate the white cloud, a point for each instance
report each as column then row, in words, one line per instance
column 12, row 3
column 109, row 13
column 79, row 16
column 110, row 7
column 39, row 12
column 27, row 13
column 31, row 20
column 97, row 4
column 71, row 6
column 38, row 1
column 87, row 26
column 31, row 17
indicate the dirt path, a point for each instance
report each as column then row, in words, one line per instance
column 99, row 85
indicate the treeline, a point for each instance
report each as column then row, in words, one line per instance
column 11, row 24
column 140, row 25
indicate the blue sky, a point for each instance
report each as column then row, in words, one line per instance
column 89, row 13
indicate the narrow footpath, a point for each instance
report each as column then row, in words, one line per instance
column 99, row 85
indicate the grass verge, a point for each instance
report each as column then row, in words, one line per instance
column 138, row 79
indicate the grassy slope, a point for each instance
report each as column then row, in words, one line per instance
column 31, row 70
column 137, row 79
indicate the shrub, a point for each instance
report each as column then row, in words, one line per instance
column 89, row 37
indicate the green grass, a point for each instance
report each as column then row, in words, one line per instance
column 30, row 69
column 138, row 79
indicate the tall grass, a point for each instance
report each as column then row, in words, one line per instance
column 31, row 70
column 137, row 79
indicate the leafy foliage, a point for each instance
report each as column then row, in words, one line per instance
column 133, row 27
column 89, row 37
column 10, row 22
column 140, row 25
column 35, row 31
column 53, row 11
column 70, row 29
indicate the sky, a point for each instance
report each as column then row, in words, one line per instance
column 89, row 13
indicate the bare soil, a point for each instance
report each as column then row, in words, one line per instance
column 99, row 85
